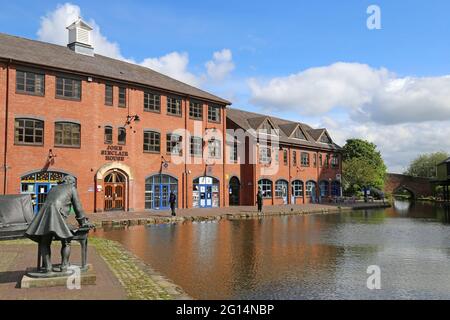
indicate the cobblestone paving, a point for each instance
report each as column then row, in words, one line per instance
column 139, row 280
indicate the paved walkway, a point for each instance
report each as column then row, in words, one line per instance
column 153, row 216
column 120, row 275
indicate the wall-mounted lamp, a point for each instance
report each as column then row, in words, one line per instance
column 130, row 119
column 164, row 163
column 51, row 156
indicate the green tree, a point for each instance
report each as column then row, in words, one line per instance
column 425, row 164
column 362, row 166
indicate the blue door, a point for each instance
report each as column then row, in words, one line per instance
column 157, row 192
column 162, row 196
column 205, row 196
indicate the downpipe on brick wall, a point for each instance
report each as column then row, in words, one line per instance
column 5, row 163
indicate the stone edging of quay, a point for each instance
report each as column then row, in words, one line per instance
column 243, row 215
column 140, row 281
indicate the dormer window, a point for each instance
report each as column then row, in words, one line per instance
column 298, row 134
column 325, row 139
column 267, row 128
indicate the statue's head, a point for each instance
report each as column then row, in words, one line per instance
column 69, row 180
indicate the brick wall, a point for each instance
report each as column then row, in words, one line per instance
column 86, row 161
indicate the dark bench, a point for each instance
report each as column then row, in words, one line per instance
column 16, row 213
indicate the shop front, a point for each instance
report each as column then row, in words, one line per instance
column 38, row 185
column 206, row 192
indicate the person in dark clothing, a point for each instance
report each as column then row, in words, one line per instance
column 259, row 200
column 173, row 201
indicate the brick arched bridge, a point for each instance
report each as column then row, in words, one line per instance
column 419, row 187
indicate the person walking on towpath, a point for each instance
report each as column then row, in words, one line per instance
column 173, row 201
column 259, row 200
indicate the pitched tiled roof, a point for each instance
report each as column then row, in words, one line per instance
column 288, row 128
column 59, row 57
column 247, row 120
column 316, row 133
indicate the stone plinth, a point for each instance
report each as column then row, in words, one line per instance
column 87, row 277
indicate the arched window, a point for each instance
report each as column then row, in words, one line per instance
column 38, row 184
column 108, row 134
column 297, row 188
column 122, row 136
column 67, row 134
column 336, row 189
column 310, row 189
column 324, row 188
column 281, row 187
column 265, row 185
column 29, row 131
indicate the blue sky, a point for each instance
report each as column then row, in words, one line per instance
column 277, row 39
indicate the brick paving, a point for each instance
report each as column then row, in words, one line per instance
column 17, row 256
column 120, row 275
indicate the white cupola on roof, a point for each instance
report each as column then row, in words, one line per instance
column 80, row 37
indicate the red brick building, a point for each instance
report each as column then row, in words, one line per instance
column 291, row 162
column 128, row 134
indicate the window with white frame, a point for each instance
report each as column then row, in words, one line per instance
column 265, row 155
column 281, row 187
column 310, row 188
column 305, row 159
column 214, row 146
column 265, row 185
column 297, row 188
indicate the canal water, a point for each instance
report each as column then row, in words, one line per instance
column 303, row 257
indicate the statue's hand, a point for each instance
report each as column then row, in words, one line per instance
column 84, row 223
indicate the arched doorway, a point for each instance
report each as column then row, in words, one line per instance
column 336, row 189
column 157, row 191
column 281, row 190
column 38, row 185
column 297, row 191
column 324, row 187
column 311, row 191
column 115, row 184
column 205, row 192
column 235, row 187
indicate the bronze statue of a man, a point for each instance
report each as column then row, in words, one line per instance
column 50, row 222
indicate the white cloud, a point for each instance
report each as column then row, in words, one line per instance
column 366, row 93
column 174, row 64
column 221, row 65
column 53, row 29
column 399, row 143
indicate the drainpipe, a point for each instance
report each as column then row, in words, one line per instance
column 186, row 150
column 5, row 163
column 290, row 191
column 225, row 189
